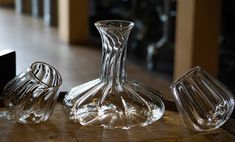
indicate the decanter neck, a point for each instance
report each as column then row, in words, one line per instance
column 113, row 66
column 114, row 35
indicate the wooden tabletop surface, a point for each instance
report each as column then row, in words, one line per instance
column 58, row 128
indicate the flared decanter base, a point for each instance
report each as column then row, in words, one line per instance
column 112, row 105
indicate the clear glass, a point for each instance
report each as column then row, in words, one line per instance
column 111, row 101
column 31, row 96
column 204, row 103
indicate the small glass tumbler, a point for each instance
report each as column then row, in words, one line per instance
column 204, row 103
column 31, row 96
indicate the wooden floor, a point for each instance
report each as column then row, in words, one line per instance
column 33, row 41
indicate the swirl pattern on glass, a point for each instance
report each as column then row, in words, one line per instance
column 31, row 96
column 204, row 103
column 111, row 101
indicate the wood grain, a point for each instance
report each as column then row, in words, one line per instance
column 59, row 129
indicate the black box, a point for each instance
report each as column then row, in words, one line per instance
column 7, row 67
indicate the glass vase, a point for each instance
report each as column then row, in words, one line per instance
column 111, row 101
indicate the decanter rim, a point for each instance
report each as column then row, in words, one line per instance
column 186, row 75
column 39, row 80
column 106, row 24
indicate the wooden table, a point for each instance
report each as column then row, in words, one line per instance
column 58, row 128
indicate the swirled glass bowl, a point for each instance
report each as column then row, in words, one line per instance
column 31, row 96
column 204, row 103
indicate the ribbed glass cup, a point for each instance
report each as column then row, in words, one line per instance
column 31, row 96
column 204, row 103
column 111, row 101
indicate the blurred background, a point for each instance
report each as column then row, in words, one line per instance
column 169, row 37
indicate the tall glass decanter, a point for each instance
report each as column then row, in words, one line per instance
column 112, row 101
